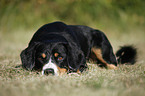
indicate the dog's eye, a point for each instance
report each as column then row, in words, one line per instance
column 60, row 58
column 57, row 55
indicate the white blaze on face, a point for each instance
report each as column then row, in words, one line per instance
column 50, row 64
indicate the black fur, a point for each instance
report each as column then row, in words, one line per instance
column 73, row 43
column 126, row 54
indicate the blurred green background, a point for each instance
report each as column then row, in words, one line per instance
column 122, row 15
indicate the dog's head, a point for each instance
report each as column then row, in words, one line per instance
column 53, row 58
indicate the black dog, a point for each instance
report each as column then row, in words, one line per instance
column 57, row 48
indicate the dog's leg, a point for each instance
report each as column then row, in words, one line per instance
column 98, row 54
column 103, row 50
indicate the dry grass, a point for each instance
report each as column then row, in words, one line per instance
column 126, row 81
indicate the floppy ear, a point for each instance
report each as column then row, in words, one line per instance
column 76, row 58
column 28, row 57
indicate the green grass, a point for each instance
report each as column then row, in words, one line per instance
column 126, row 81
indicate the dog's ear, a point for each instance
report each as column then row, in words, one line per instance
column 76, row 58
column 28, row 57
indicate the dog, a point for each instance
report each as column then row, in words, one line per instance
column 57, row 48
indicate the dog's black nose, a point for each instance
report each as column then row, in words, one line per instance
column 49, row 71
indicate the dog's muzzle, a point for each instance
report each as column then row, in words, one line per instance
column 50, row 69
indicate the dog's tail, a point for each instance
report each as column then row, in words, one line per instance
column 126, row 55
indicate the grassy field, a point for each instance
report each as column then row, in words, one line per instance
column 123, row 23
column 126, row 81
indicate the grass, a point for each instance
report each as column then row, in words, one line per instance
column 126, row 81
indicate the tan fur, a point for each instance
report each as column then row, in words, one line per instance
column 61, row 70
column 56, row 54
column 98, row 53
column 43, row 55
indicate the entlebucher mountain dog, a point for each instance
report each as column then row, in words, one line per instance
column 57, row 48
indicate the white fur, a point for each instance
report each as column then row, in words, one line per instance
column 50, row 65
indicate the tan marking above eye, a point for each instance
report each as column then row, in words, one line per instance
column 43, row 55
column 56, row 54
